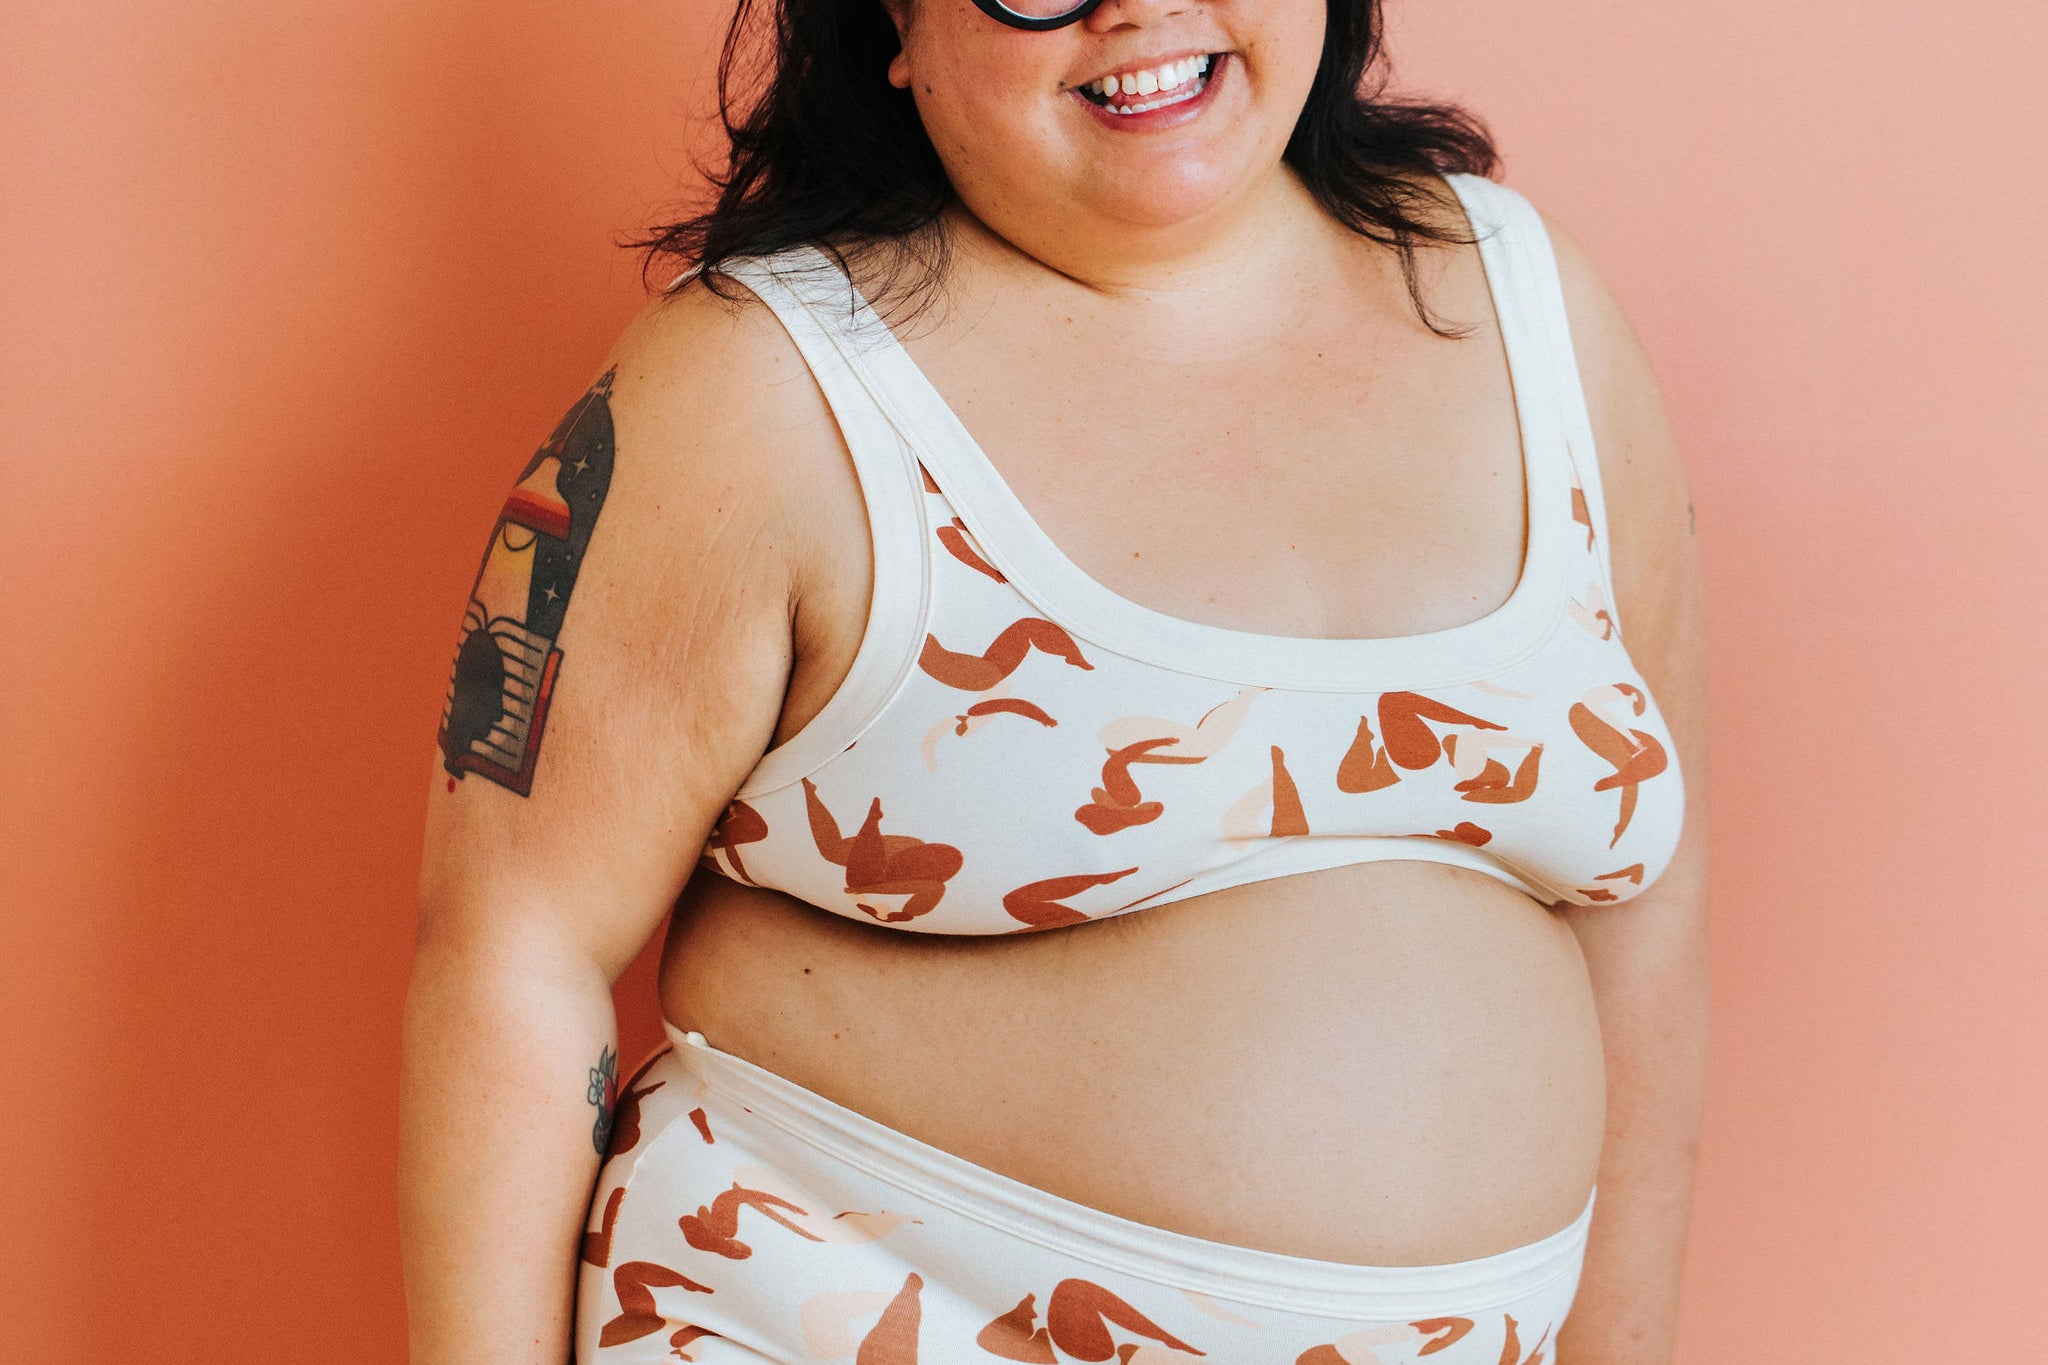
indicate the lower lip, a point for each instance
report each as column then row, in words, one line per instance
column 1172, row 116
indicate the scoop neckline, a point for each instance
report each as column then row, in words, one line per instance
column 1034, row 564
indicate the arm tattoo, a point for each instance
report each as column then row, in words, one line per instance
column 506, row 660
column 604, row 1093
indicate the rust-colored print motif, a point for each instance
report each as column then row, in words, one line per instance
column 959, row 543
column 1601, row 722
column 829, row 1321
column 625, row 1135
column 635, row 1283
column 1633, row 874
column 980, row 672
column 740, row 825
column 1271, row 809
column 1594, row 615
column 973, row 718
column 879, row 864
column 715, row 1229
column 1511, row 1349
column 1288, row 817
column 1582, row 513
column 1443, row 1332
column 686, row 1334
column 1037, row 904
column 1078, row 1318
column 893, row 1338
column 597, row 1246
column 1356, row 1348
column 1001, row 706
column 1407, row 741
column 505, row 659
column 1118, row 804
column 846, row 1225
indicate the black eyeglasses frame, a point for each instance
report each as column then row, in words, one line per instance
column 1002, row 13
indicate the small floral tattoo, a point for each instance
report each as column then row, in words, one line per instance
column 604, row 1093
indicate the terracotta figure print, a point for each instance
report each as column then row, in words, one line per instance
column 626, row 1120
column 740, row 825
column 635, row 1282
column 1593, row 615
column 979, row 672
column 1406, row 740
column 713, row 1229
column 1405, row 718
column 597, row 1246
column 845, row 1226
column 1582, row 514
column 1444, row 1332
column 973, row 718
column 1038, row 903
column 960, row 544
column 1366, row 766
column 1511, row 1349
column 1632, row 874
column 506, row 660
column 1118, row 804
column 1078, row 1318
column 1485, row 778
column 1288, row 819
column 1600, row 720
column 879, row 864
column 893, row 1338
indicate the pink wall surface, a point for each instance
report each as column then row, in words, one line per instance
column 289, row 289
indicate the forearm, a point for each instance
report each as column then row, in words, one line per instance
column 497, row 1155
column 1655, row 1032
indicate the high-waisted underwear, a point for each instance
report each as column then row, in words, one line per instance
column 742, row 1218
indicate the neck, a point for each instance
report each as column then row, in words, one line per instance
column 1243, row 247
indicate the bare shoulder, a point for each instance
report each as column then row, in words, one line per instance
column 699, row 371
column 628, row 640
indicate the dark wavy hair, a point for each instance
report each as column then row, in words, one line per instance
column 830, row 153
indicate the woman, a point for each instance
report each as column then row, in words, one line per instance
column 1263, row 884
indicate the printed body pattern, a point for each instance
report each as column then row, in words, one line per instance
column 1011, row 785
column 727, row 1231
column 1020, row 750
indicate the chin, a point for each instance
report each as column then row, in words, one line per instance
column 1161, row 200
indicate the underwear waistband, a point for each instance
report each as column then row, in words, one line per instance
column 1219, row 1269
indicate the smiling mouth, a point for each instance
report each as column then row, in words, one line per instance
column 1132, row 97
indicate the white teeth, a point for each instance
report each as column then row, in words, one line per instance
column 1172, row 76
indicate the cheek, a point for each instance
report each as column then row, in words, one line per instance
column 980, row 87
column 991, row 125
column 1286, row 47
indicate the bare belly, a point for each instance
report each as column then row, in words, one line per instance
column 1395, row 1063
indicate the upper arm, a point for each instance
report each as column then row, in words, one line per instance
column 626, row 647
column 1659, row 593
column 1645, row 957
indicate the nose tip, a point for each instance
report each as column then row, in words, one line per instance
column 1112, row 13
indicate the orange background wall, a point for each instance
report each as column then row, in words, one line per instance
column 290, row 289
